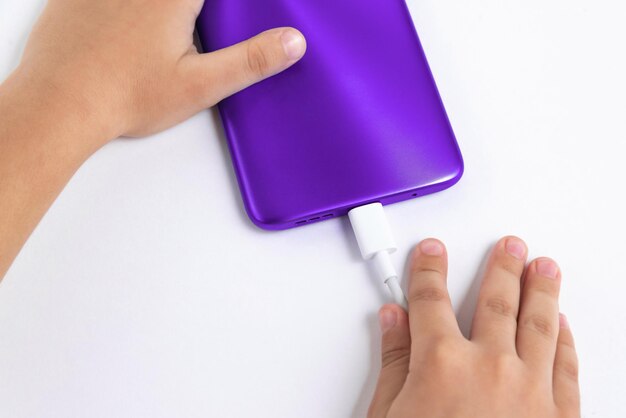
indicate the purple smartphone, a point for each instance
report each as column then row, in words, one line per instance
column 358, row 120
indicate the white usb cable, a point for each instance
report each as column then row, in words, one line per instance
column 376, row 243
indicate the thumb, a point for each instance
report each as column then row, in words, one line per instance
column 396, row 352
column 219, row 74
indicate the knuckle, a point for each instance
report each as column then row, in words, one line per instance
column 421, row 266
column 443, row 349
column 257, row 60
column 505, row 366
column 428, row 294
column 539, row 325
column 443, row 358
column 510, row 267
column 567, row 368
column 395, row 356
column 500, row 306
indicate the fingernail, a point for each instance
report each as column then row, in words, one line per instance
column 516, row 248
column 547, row 268
column 431, row 247
column 563, row 323
column 388, row 319
column 294, row 44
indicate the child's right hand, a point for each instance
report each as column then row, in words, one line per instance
column 519, row 362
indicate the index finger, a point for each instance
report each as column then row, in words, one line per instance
column 430, row 309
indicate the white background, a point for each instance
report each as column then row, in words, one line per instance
column 146, row 292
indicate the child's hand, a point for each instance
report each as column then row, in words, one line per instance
column 519, row 362
column 94, row 70
column 132, row 63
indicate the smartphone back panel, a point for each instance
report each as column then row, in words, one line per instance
column 357, row 120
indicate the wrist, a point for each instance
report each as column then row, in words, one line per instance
column 78, row 117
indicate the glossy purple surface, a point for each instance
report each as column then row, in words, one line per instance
column 358, row 120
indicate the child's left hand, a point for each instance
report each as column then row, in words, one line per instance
column 133, row 65
column 96, row 70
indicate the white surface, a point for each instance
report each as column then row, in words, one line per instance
column 145, row 292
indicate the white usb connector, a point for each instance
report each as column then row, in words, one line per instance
column 376, row 243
